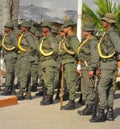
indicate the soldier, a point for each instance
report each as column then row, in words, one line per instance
column 9, row 45
column 27, row 49
column 34, row 67
column 88, row 56
column 67, row 55
column 108, row 47
column 48, row 53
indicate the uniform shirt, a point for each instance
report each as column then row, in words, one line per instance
column 72, row 44
column 89, row 53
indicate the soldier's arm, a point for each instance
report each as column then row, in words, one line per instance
column 30, row 40
column 94, row 55
column 115, row 39
column 75, row 43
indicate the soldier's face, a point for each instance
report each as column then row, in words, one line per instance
column 6, row 30
column 105, row 24
column 23, row 29
column 45, row 29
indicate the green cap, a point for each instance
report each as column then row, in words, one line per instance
column 109, row 17
column 46, row 24
column 32, row 30
column 26, row 24
column 89, row 27
column 9, row 25
column 69, row 22
column 54, row 29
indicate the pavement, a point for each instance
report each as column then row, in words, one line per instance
column 29, row 114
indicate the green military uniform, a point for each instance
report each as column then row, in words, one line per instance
column 48, row 52
column 67, row 56
column 34, row 67
column 27, row 48
column 9, row 45
column 88, row 56
column 17, row 68
column 108, row 46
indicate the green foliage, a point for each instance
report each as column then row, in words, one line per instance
column 103, row 6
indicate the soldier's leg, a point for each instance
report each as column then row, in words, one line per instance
column 70, row 77
column 24, row 77
column 34, row 76
column 10, row 76
column 48, row 82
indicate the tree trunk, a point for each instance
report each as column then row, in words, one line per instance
column 5, row 12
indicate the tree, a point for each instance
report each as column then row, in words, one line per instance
column 10, row 11
column 103, row 6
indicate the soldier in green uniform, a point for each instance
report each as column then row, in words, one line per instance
column 88, row 56
column 27, row 49
column 67, row 55
column 108, row 48
column 48, row 54
column 9, row 45
column 34, row 67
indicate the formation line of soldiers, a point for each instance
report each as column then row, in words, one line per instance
column 28, row 57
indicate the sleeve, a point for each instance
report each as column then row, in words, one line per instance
column 75, row 44
column 31, row 43
column 94, row 55
column 115, row 40
column 14, row 40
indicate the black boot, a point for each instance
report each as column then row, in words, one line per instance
column 48, row 99
column 86, row 111
column 7, row 90
column 69, row 106
column 44, row 93
column 13, row 92
column 109, row 114
column 20, row 94
column 66, row 96
column 100, row 117
column 34, row 87
column 94, row 112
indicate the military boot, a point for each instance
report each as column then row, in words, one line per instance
column 109, row 114
column 13, row 92
column 100, row 117
column 69, row 106
column 48, row 99
column 34, row 87
column 66, row 96
column 7, row 90
column 20, row 94
column 94, row 112
column 28, row 96
column 44, row 95
column 86, row 111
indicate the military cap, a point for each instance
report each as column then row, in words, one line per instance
column 9, row 25
column 69, row 22
column 26, row 24
column 32, row 30
column 109, row 17
column 88, row 27
column 46, row 24
column 54, row 29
